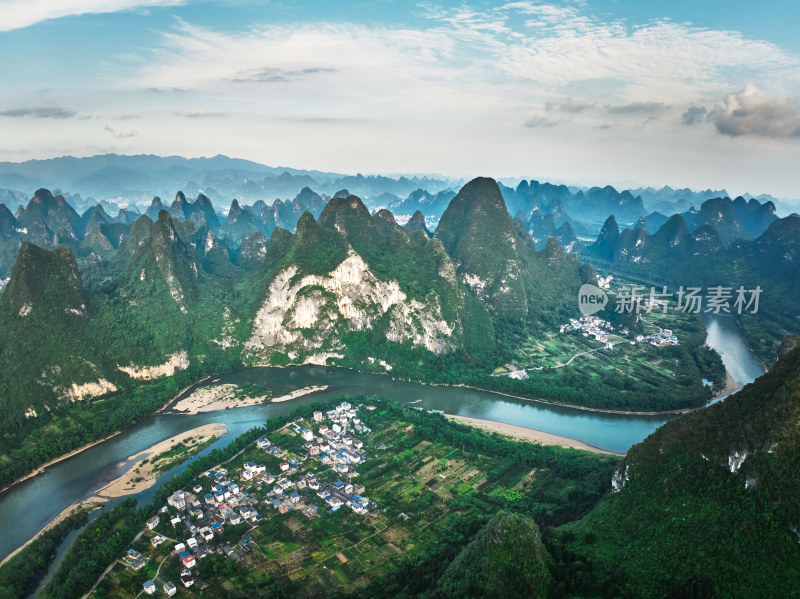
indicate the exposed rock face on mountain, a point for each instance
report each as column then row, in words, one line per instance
column 354, row 288
column 252, row 252
column 354, row 275
column 477, row 232
column 44, row 316
column 710, row 502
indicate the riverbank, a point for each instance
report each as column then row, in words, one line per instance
column 41, row 469
column 521, row 433
column 181, row 392
column 223, row 397
column 731, row 386
column 299, row 393
column 583, row 408
column 140, row 475
column 143, row 470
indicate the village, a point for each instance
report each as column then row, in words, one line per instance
column 602, row 331
column 318, row 472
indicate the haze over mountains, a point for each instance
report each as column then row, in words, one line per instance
column 236, row 199
column 438, row 272
column 134, row 180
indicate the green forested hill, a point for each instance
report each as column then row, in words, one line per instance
column 153, row 304
column 709, row 504
column 677, row 256
column 505, row 559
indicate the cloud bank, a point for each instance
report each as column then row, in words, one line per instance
column 752, row 112
column 40, row 112
column 17, row 14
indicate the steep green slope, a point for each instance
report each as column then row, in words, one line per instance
column 477, row 232
column 47, row 342
column 506, row 559
column 709, row 504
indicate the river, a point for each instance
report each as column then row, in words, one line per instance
column 30, row 505
column 725, row 335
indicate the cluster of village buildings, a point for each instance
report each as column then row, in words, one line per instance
column 601, row 330
column 591, row 326
column 663, row 337
column 211, row 505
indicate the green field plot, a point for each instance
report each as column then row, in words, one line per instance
column 435, row 484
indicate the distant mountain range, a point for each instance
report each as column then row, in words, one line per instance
column 133, row 180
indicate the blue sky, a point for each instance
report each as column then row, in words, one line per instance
column 700, row 94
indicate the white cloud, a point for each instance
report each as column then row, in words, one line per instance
column 752, row 112
column 124, row 134
column 536, row 122
column 196, row 113
column 16, row 14
column 39, row 112
column 453, row 95
column 474, row 53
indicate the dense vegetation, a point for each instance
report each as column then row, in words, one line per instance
column 675, row 257
column 505, row 559
column 711, row 505
column 21, row 574
column 100, row 543
column 158, row 290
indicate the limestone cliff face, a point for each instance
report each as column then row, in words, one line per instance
column 309, row 312
column 76, row 392
column 177, row 361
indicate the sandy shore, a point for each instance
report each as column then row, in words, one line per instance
column 181, row 392
column 142, row 476
column 299, row 393
column 215, row 397
column 222, row 397
column 522, row 433
column 731, row 386
column 137, row 478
